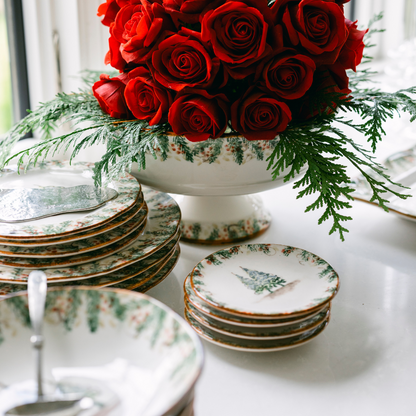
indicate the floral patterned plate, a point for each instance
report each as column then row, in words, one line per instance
column 258, row 333
column 56, row 173
column 156, row 273
column 401, row 167
column 90, row 328
column 162, row 226
column 79, row 235
column 129, row 272
column 264, row 281
column 80, row 246
column 52, row 263
column 221, row 316
column 254, row 345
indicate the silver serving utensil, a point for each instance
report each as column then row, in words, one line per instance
column 37, row 285
column 27, row 204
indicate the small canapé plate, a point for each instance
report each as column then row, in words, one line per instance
column 83, row 246
column 162, row 226
column 79, row 235
column 56, row 173
column 258, row 333
column 264, row 281
column 221, row 316
column 254, row 345
column 136, row 270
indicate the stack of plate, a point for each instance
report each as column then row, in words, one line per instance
column 131, row 242
column 260, row 297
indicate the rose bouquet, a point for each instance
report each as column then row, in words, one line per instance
column 281, row 71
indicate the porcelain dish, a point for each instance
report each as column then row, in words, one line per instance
column 264, row 281
column 401, row 167
column 260, row 297
column 84, row 245
column 57, row 173
column 254, row 345
column 79, row 235
column 90, row 328
column 162, row 226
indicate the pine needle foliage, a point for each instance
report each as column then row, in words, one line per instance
column 314, row 148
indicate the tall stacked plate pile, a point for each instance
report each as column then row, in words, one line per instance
column 260, row 297
column 130, row 242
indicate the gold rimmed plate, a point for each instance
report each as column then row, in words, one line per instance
column 254, row 345
column 258, row 333
column 162, row 226
column 6, row 244
column 221, row 316
column 57, row 173
column 265, row 281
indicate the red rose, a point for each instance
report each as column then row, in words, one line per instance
column 316, row 25
column 182, row 61
column 146, row 99
column 352, row 52
column 289, row 75
column 238, row 33
column 259, row 115
column 138, row 28
column 331, row 79
column 109, row 10
column 199, row 116
column 187, row 11
column 113, row 56
column 109, row 93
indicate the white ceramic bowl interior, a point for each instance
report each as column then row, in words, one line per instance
column 88, row 328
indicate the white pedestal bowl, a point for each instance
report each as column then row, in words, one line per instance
column 214, row 180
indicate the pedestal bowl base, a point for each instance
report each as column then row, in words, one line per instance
column 222, row 219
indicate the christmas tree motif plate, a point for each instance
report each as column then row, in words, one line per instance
column 78, row 235
column 162, row 226
column 85, row 245
column 264, row 281
column 254, row 345
column 258, row 333
column 153, row 272
column 129, row 272
column 55, row 173
column 51, row 263
column 91, row 328
column 221, row 316
column 143, row 285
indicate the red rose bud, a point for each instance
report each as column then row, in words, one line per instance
column 238, row 33
column 182, row 61
column 259, row 115
column 199, row 116
column 352, row 52
column 109, row 93
column 138, row 28
column 316, row 25
column 289, row 75
column 109, row 10
column 145, row 98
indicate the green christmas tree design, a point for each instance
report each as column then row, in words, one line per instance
column 261, row 281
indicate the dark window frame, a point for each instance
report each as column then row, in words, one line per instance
column 18, row 61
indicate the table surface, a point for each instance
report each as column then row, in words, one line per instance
column 364, row 363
